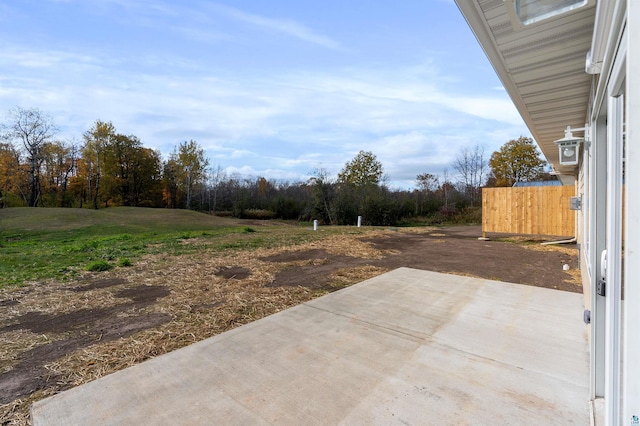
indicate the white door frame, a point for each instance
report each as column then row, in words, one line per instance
column 613, row 343
column 631, row 318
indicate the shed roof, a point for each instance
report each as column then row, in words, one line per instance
column 538, row 183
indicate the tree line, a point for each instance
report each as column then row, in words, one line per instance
column 107, row 168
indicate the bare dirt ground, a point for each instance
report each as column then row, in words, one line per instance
column 54, row 336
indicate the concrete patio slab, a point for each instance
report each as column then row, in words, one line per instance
column 406, row 347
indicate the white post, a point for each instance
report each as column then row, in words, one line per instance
column 359, row 221
column 315, row 225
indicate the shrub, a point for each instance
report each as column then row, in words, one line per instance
column 259, row 214
column 99, row 266
column 469, row 215
column 286, row 208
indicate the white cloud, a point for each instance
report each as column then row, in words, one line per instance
column 284, row 26
column 24, row 57
column 195, row 21
column 248, row 172
column 490, row 108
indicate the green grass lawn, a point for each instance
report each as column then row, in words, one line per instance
column 44, row 243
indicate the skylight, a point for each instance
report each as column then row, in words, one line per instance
column 531, row 11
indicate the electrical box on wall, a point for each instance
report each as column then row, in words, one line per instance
column 575, row 203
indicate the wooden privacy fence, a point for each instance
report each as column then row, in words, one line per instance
column 535, row 210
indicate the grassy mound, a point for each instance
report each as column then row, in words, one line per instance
column 43, row 243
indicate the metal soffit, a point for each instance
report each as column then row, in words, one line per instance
column 542, row 66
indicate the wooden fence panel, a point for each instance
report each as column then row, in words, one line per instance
column 533, row 210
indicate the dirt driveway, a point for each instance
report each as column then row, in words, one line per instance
column 54, row 336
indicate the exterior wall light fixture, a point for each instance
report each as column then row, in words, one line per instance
column 568, row 146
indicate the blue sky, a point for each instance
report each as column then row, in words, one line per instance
column 269, row 88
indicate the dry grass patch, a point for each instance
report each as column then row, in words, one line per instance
column 466, row 274
column 343, row 245
column 16, row 341
column 17, row 411
column 348, row 276
column 576, row 277
column 570, row 250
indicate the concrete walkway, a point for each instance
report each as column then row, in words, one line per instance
column 408, row 347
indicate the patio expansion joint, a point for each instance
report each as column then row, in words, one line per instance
column 376, row 326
